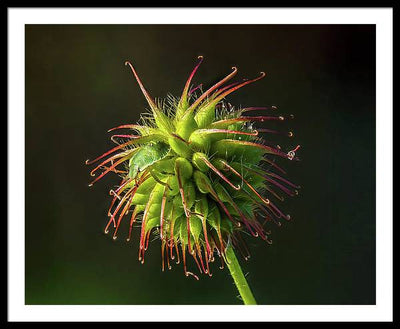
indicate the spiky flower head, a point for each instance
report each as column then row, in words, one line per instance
column 197, row 173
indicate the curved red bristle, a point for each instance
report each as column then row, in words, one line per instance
column 283, row 188
column 207, row 260
column 166, row 250
column 178, row 176
column 193, row 275
column 123, row 212
column 144, row 91
column 268, row 149
column 211, row 89
column 221, row 244
column 109, row 209
column 162, row 254
column 133, row 190
column 126, row 126
column 193, row 253
column 231, row 90
column 121, row 202
column 291, row 154
column 260, row 118
column 177, row 252
column 184, row 263
column 260, row 231
column 264, row 208
column 88, row 162
column 172, row 241
column 224, row 208
column 114, row 170
column 109, row 169
column 227, row 131
column 124, row 136
column 116, row 195
column 220, row 91
column 210, row 165
column 163, row 201
column 188, row 233
column 242, row 217
column 270, row 131
column 281, row 214
column 282, row 179
column 276, row 195
column 266, row 201
column 204, row 225
column 133, row 219
column 257, row 108
column 142, row 242
column 116, row 156
column 240, row 243
column 189, row 80
column 201, row 258
column 222, row 259
column 194, row 89
column 120, row 188
column 147, row 240
column 273, row 164
column 145, row 214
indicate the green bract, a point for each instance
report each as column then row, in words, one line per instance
column 197, row 173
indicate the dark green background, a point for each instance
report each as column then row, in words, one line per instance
column 77, row 87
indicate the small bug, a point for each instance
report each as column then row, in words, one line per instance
column 146, row 156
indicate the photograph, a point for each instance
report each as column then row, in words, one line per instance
column 213, row 167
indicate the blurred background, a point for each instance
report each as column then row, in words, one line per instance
column 77, row 87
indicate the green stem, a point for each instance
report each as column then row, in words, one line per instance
column 238, row 277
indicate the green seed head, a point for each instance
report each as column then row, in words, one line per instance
column 197, row 173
